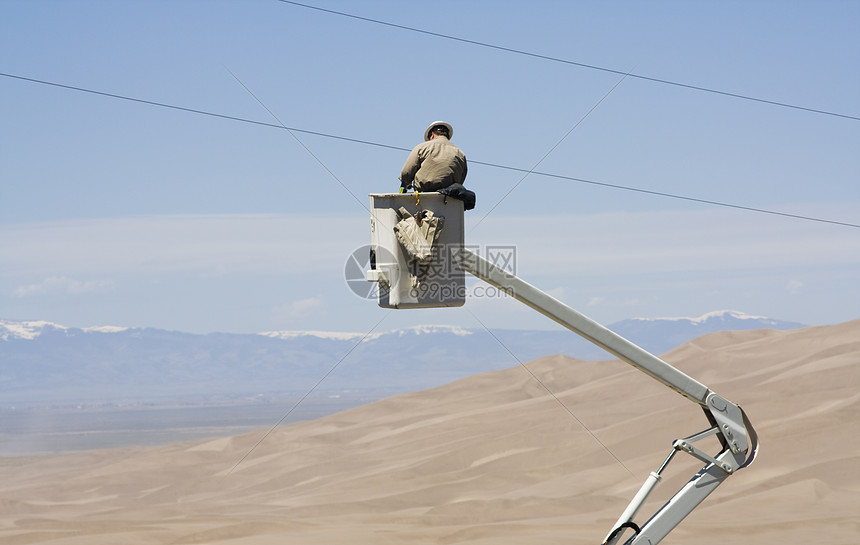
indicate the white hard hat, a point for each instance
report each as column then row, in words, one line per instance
column 436, row 124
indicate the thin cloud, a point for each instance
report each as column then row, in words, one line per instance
column 63, row 284
column 301, row 245
column 666, row 241
column 794, row 286
column 208, row 244
column 293, row 312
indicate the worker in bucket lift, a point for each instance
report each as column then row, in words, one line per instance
column 436, row 163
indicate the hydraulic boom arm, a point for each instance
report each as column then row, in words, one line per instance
column 738, row 440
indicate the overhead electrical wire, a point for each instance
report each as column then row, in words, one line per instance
column 541, row 160
column 399, row 148
column 190, row 110
column 572, row 63
column 299, row 140
column 675, row 196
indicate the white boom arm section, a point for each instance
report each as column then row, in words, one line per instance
column 738, row 440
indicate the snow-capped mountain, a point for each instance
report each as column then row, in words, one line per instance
column 46, row 362
column 660, row 335
column 719, row 316
column 32, row 329
column 344, row 336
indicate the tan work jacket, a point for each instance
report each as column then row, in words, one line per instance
column 434, row 164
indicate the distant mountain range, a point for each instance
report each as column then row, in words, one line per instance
column 42, row 362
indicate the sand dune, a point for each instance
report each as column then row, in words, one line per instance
column 489, row 459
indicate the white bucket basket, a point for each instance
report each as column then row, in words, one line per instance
column 404, row 282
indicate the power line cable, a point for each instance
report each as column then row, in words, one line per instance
column 297, row 139
column 194, row 111
column 573, row 63
column 675, row 196
column 398, row 148
column 557, row 144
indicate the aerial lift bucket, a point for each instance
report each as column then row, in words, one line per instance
column 404, row 280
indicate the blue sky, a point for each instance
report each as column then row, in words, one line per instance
column 114, row 212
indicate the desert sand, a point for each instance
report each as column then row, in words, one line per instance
column 489, row 459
